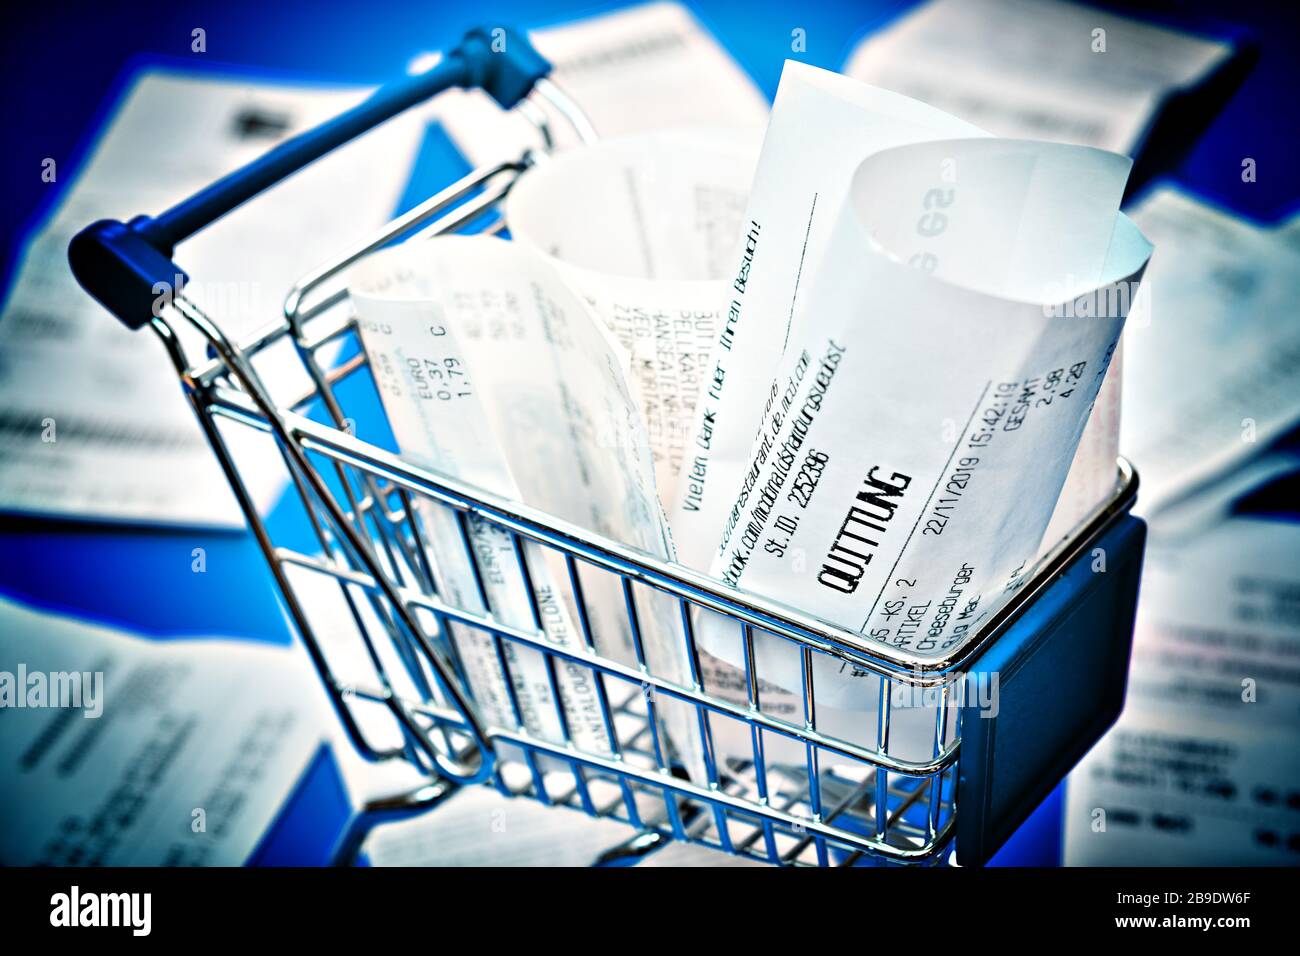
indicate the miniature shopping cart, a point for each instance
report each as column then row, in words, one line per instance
column 356, row 569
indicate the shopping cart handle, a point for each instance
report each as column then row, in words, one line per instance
column 128, row 267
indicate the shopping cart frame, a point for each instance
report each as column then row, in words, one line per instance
column 359, row 500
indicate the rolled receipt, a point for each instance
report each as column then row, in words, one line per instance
column 645, row 227
column 940, row 348
column 821, row 127
column 492, row 371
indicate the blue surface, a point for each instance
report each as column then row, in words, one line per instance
column 1040, row 841
column 61, row 59
column 316, row 814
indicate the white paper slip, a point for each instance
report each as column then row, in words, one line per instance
column 647, row 67
column 644, row 227
column 1039, row 69
column 94, row 422
column 1202, row 767
column 123, row 751
column 493, row 371
column 786, row 226
column 1093, row 478
column 480, row 827
column 1178, row 790
column 1217, row 629
column 1212, row 364
column 938, row 348
column 1289, row 231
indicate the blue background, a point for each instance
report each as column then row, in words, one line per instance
column 64, row 64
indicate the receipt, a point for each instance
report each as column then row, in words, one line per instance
column 1201, row 768
column 480, row 827
column 1042, row 70
column 493, row 371
column 791, row 181
column 1212, row 364
column 93, row 422
column 651, row 66
column 195, row 747
column 1176, row 789
column 1094, row 474
column 941, row 339
column 1038, row 69
column 644, row 227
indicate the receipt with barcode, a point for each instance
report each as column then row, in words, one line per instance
column 918, row 324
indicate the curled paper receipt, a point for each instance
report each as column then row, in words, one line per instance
column 493, row 371
column 930, row 323
column 644, row 227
